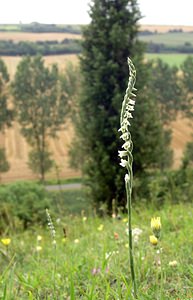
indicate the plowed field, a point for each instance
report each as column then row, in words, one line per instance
column 17, row 149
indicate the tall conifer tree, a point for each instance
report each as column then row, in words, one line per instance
column 108, row 40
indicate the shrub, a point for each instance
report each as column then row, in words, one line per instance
column 159, row 188
column 23, row 203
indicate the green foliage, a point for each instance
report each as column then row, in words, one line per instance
column 38, row 27
column 24, row 203
column 108, row 41
column 67, row 46
column 160, row 188
column 165, row 85
column 173, row 60
column 40, row 163
column 95, row 267
column 187, row 160
column 41, row 104
column 67, row 202
column 6, row 114
column 170, row 42
column 187, row 86
column 4, row 165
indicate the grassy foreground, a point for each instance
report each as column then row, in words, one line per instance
column 90, row 258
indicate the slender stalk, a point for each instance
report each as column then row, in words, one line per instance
column 128, row 192
column 127, row 158
column 161, row 270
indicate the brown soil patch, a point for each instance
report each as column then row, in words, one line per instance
column 166, row 28
column 182, row 133
column 33, row 37
column 61, row 60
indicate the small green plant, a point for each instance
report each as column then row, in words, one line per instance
column 155, row 241
column 127, row 158
column 4, row 165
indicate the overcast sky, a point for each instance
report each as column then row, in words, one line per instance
column 168, row 12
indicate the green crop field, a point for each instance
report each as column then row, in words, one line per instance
column 171, row 39
column 9, row 27
column 173, row 59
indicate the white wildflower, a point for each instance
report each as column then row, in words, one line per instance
column 126, row 145
column 137, row 231
column 122, row 153
column 124, row 163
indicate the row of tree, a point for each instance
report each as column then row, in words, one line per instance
column 36, row 27
column 152, row 47
column 67, row 46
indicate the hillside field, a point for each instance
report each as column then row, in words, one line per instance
column 16, row 147
column 34, row 37
column 170, row 39
column 172, row 59
column 165, row 28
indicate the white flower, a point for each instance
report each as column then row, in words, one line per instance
column 127, row 178
column 125, row 136
column 173, row 263
column 58, row 220
column 126, row 145
column 132, row 102
column 122, row 153
column 130, row 108
column 38, row 248
column 107, row 255
column 39, row 238
column 136, row 238
column 137, row 231
column 124, row 163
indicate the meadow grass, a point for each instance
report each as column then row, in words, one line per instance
column 90, row 260
column 172, row 59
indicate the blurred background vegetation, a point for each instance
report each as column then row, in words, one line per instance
column 43, row 99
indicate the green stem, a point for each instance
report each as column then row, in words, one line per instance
column 161, row 284
column 128, row 192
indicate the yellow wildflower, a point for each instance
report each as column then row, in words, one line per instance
column 76, row 241
column 156, row 226
column 153, row 240
column 156, row 223
column 84, row 219
column 125, row 220
column 6, row 241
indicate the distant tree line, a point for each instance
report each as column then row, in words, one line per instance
column 164, row 48
column 42, row 28
column 150, row 32
column 67, row 46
